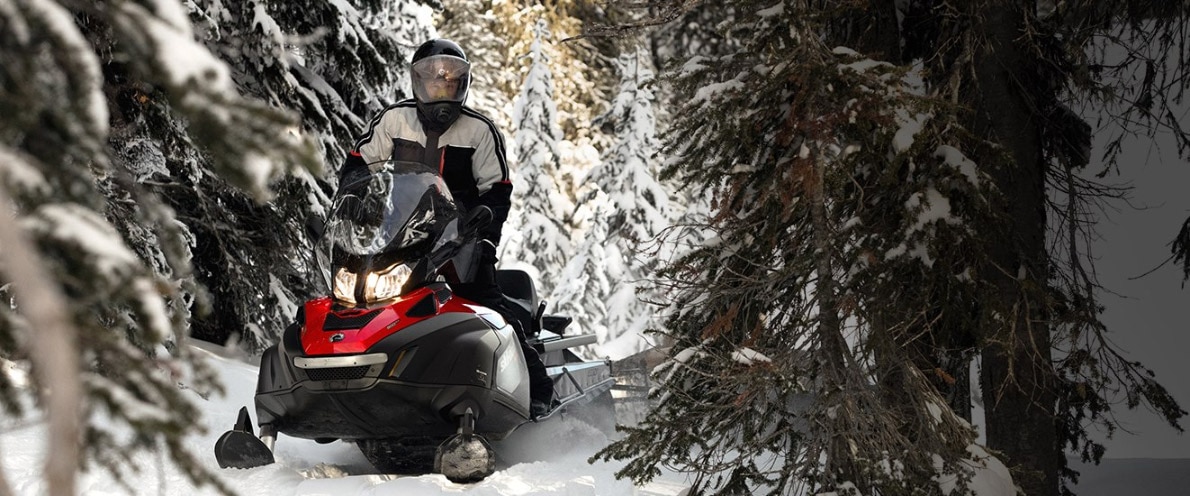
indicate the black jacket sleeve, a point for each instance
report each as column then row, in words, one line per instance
column 499, row 199
column 352, row 166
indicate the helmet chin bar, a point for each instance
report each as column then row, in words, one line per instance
column 439, row 115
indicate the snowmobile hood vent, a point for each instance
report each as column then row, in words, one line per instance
column 337, row 323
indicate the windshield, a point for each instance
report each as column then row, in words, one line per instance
column 398, row 212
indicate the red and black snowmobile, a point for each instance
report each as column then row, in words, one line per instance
column 392, row 359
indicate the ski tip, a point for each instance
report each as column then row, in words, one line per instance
column 244, row 422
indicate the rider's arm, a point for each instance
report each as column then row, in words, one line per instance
column 354, row 164
column 373, row 146
column 490, row 168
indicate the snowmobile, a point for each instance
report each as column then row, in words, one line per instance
column 392, row 359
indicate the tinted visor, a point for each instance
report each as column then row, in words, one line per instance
column 441, row 78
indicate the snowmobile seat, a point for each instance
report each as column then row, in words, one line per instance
column 518, row 285
column 518, row 291
column 555, row 323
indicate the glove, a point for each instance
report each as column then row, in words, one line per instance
column 487, row 252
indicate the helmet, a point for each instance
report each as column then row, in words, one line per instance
column 441, row 76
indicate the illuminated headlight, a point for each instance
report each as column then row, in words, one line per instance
column 377, row 285
column 344, row 285
column 387, row 284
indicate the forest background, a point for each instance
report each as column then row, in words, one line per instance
column 794, row 169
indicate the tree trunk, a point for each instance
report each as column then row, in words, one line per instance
column 958, row 391
column 839, row 465
column 53, row 352
column 1017, row 376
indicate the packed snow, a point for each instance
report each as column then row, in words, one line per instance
column 539, row 459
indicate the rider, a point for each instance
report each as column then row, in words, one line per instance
column 436, row 129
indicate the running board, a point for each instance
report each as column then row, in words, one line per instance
column 581, row 393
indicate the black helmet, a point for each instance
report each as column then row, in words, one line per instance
column 441, row 76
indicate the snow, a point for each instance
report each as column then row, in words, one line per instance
column 62, row 26
column 694, row 64
column 171, row 12
column 910, row 126
column 86, row 229
column 862, row 66
column 541, row 459
column 259, row 168
column 773, row 11
column 182, row 59
column 937, row 208
column 990, row 475
column 15, row 171
column 152, row 307
column 707, row 93
column 686, row 354
column 846, row 51
column 958, row 160
column 747, row 356
column 268, row 25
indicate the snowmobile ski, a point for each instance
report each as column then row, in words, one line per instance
column 240, row 448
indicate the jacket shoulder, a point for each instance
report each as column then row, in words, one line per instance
column 478, row 122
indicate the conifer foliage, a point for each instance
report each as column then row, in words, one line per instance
column 84, row 207
column 164, row 159
column 780, row 333
column 626, row 208
column 879, row 176
column 497, row 34
column 542, row 201
column 472, row 25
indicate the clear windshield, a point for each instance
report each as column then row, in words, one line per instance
column 398, row 213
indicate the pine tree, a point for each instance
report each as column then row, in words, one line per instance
column 580, row 83
column 67, row 144
column 627, row 210
column 921, row 229
column 537, row 232
column 155, row 190
column 779, row 336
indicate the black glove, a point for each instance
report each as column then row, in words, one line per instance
column 487, row 252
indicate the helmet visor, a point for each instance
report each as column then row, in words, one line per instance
column 441, row 78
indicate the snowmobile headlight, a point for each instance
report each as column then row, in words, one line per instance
column 344, row 285
column 387, row 284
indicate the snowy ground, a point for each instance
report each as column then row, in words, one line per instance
column 547, row 459
column 540, row 460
